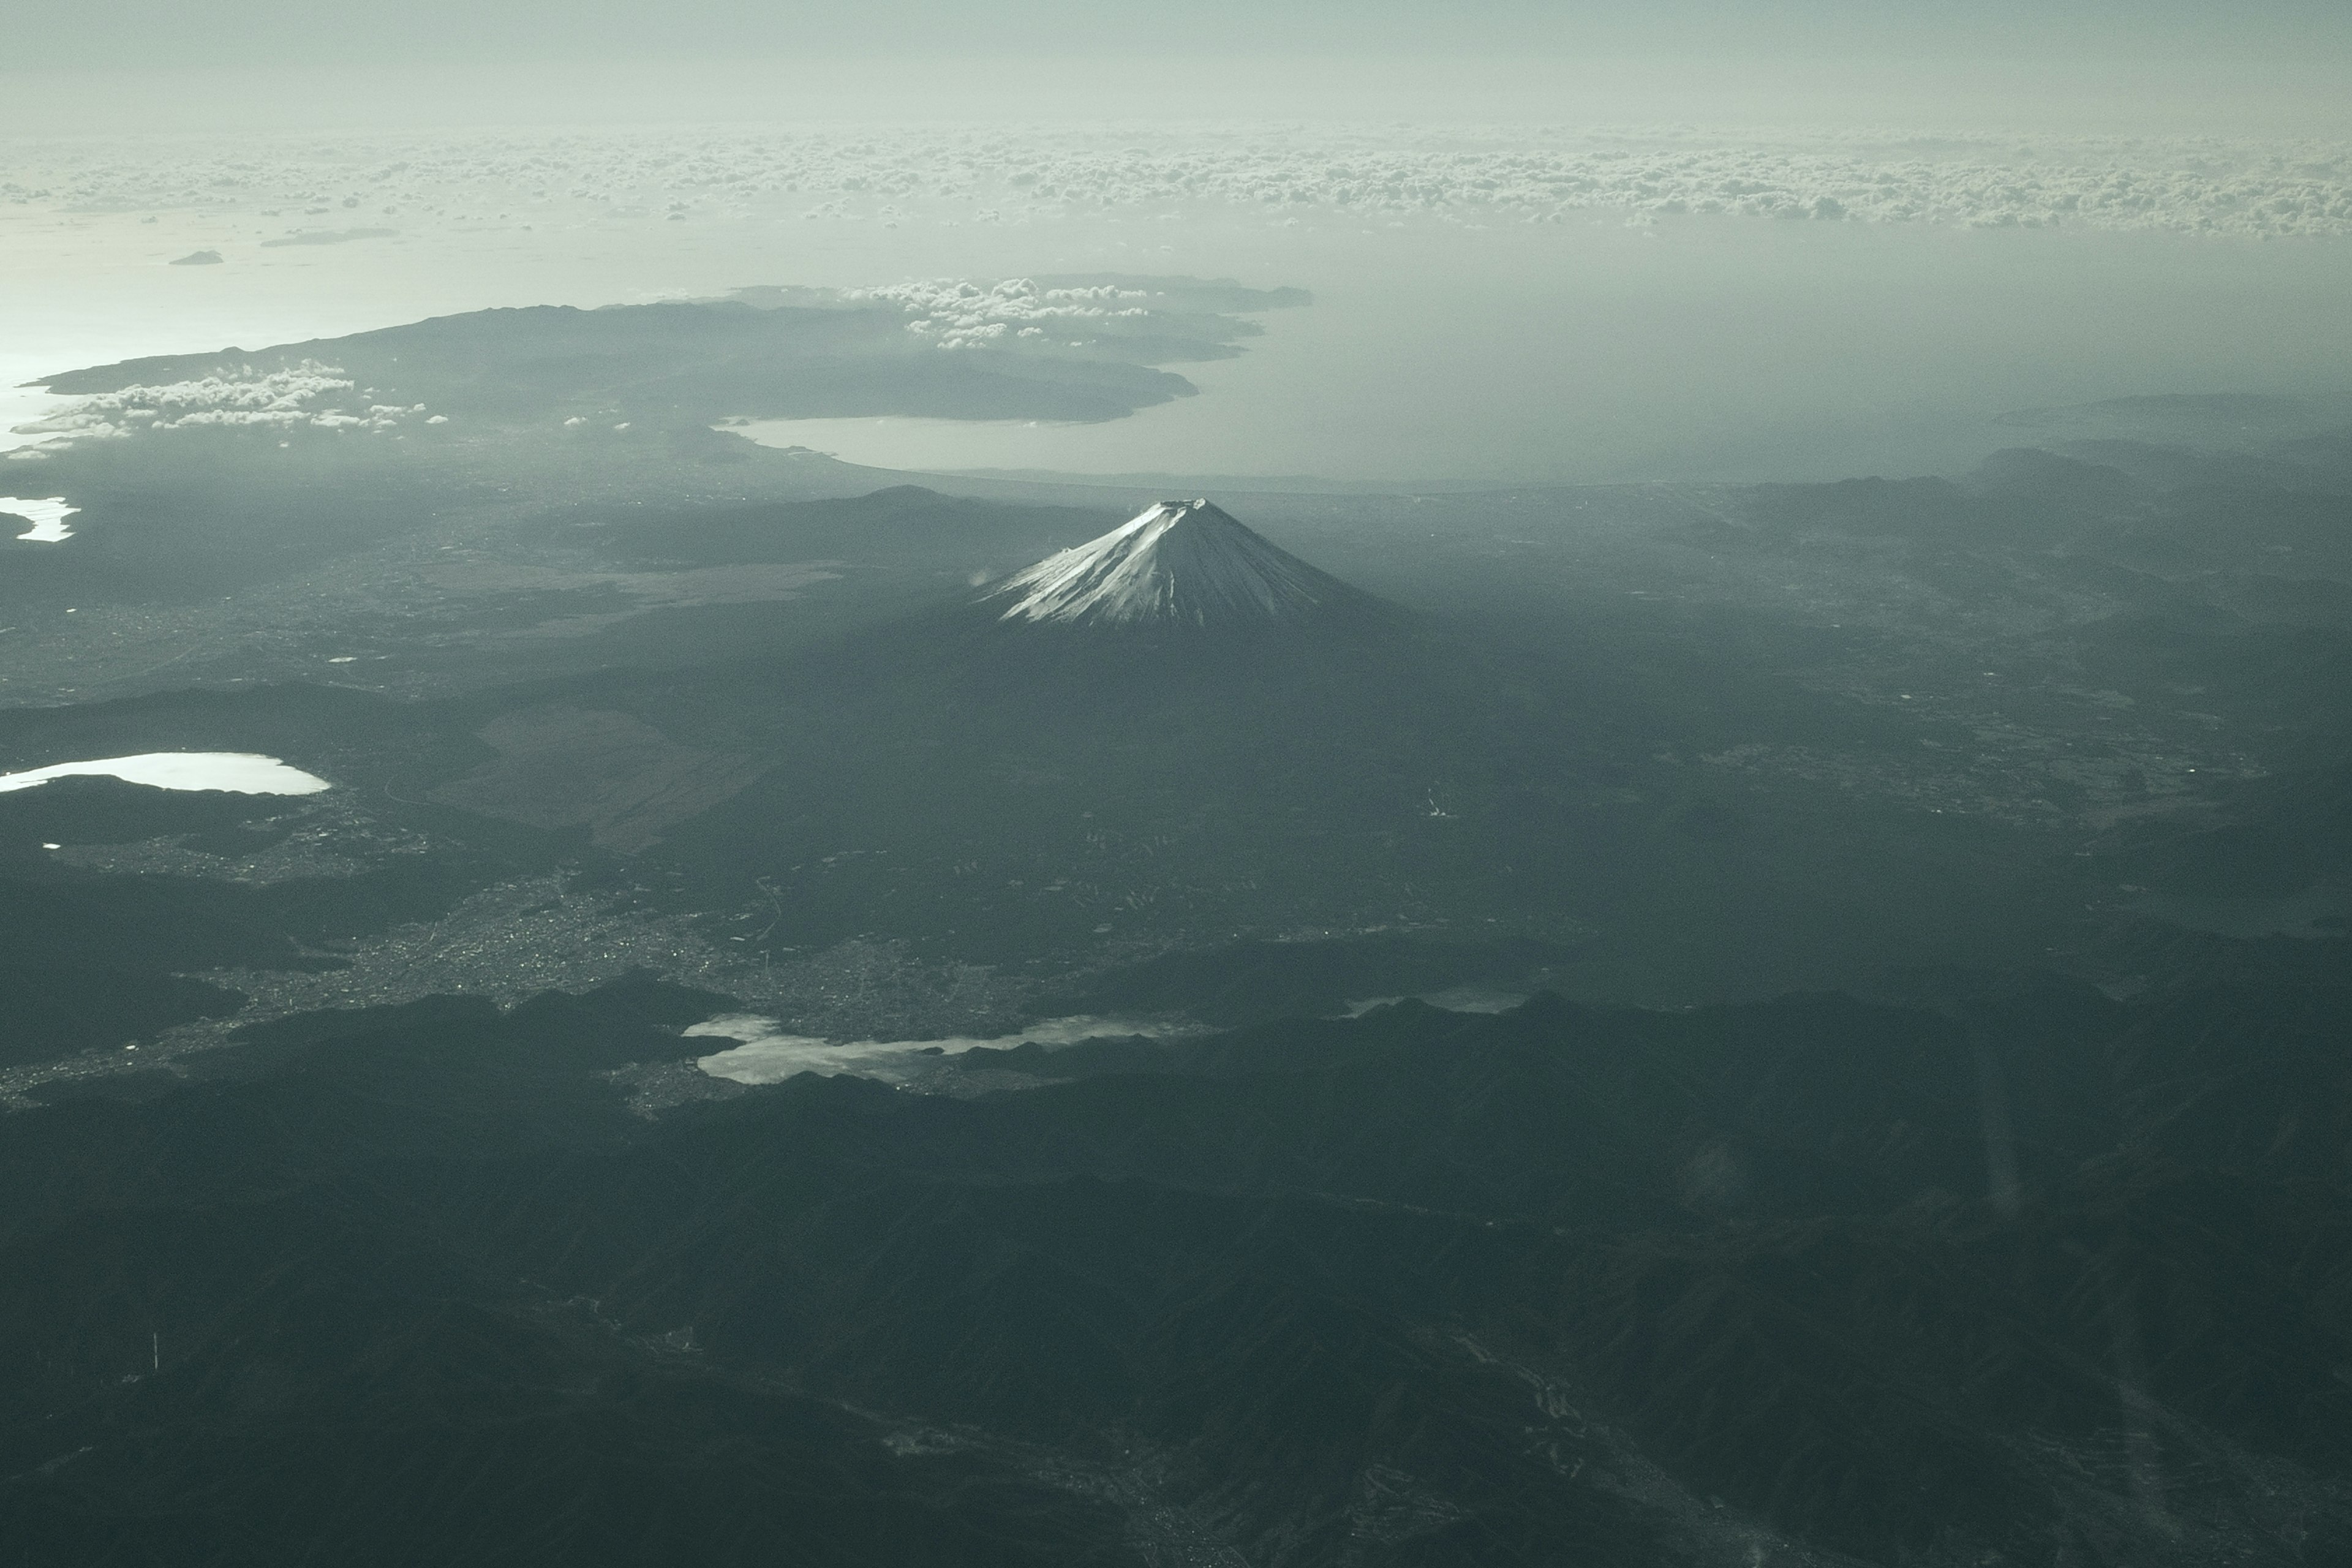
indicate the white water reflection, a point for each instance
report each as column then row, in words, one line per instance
column 47, row 517
column 237, row 772
column 21, row 406
column 768, row 1056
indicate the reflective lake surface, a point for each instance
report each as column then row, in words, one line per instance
column 46, row 516
column 237, row 772
column 768, row 1056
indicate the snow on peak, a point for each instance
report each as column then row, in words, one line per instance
column 1181, row 561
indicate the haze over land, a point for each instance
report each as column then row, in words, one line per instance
column 1946, row 218
column 1056, row 785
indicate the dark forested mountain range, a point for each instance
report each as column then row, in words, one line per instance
column 810, row 1016
column 2033, row 1276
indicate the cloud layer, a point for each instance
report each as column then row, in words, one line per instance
column 308, row 394
column 961, row 314
column 930, row 174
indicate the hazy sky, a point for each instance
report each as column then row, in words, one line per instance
column 2261, row 67
column 2027, row 207
column 112, row 32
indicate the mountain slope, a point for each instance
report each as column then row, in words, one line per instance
column 1180, row 563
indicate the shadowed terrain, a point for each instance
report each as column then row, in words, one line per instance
column 1743, row 1024
column 2036, row 1274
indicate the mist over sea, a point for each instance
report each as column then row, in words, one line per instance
column 1449, row 342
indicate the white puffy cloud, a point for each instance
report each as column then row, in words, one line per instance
column 310, row 394
column 957, row 313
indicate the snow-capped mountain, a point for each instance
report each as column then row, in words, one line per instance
column 1182, row 562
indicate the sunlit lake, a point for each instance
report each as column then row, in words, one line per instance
column 766, row 1055
column 236, row 772
column 46, row 516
